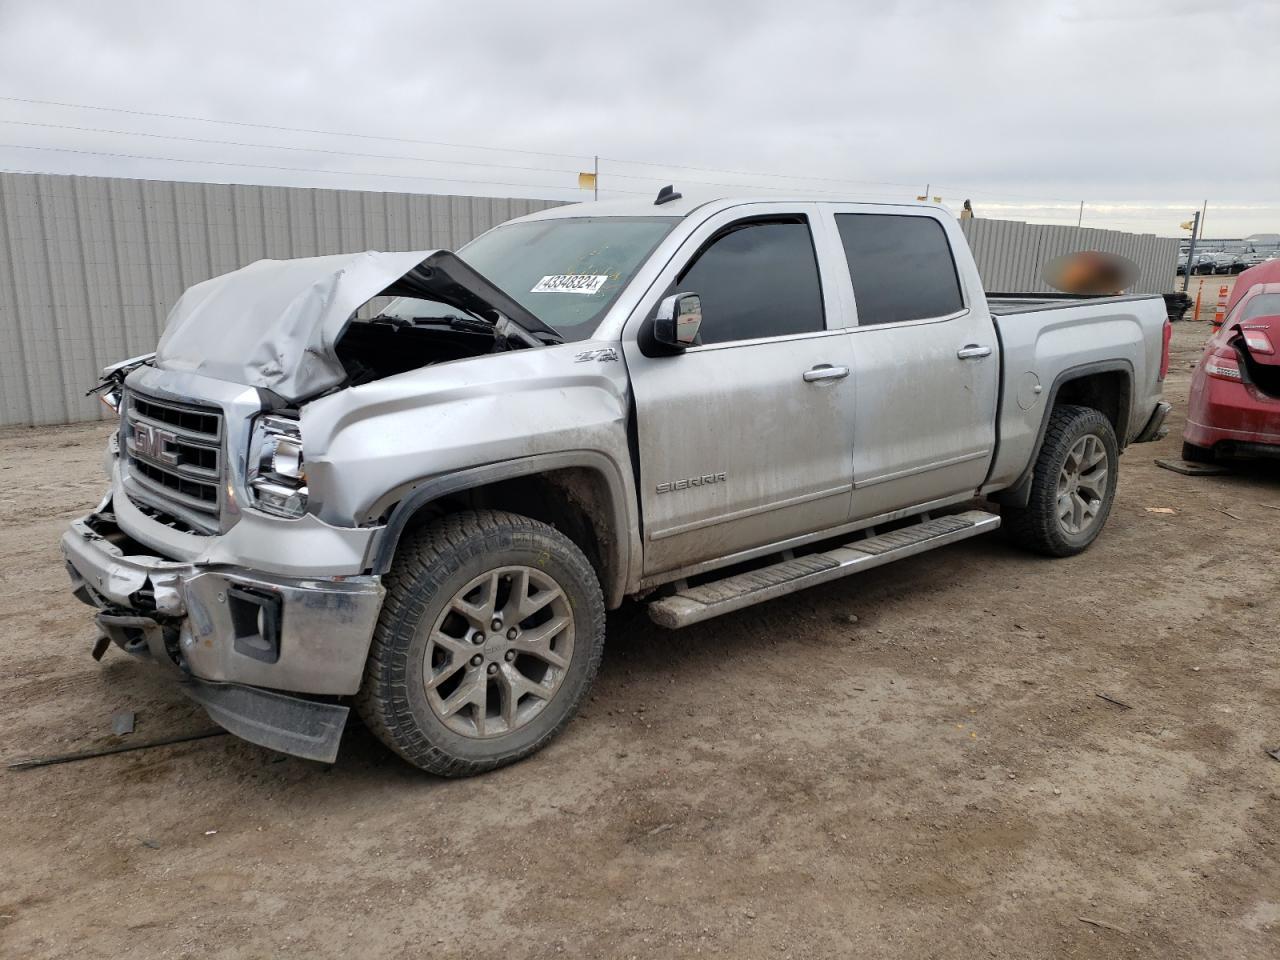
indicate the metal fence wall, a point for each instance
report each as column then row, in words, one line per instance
column 1011, row 253
column 90, row 266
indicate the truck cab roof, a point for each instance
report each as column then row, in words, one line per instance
column 709, row 202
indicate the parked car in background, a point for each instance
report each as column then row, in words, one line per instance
column 1252, row 258
column 1266, row 272
column 698, row 404
column 1224, row 262
column 1234, row 408
column 1204, row 264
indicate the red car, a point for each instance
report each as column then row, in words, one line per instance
column 1235, row 393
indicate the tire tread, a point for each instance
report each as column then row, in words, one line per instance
column 424, row 559
column 1035, row 526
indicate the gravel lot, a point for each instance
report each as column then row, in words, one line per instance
column 937, row 779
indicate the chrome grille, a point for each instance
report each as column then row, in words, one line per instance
column 174, row 457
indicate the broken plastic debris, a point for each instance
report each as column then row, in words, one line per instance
column 122, row 723
column 1160, row 510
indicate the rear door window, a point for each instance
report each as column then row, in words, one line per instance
column 1263, row 305
column 757, row 279
column 901, row 267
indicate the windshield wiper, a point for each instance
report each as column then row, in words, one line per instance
column 452, row 321
column 504, row 331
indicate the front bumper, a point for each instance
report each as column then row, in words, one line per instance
column 231, row 632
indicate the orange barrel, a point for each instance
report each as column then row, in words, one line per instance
column 1220, row 313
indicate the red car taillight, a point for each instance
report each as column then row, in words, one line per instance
column 1164, row 350
column 1223, row 366
column 1257, row 341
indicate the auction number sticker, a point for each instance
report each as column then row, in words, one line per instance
column 570, row 283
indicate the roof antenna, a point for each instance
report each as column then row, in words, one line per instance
column 666, row 195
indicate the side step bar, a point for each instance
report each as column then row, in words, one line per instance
column 695, row 604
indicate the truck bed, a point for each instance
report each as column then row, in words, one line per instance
column 1045, row 339
column 1008, row 304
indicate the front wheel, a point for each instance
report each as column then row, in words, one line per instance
column 1072, row 486
column 490, row 635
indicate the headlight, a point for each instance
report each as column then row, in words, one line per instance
column 110, row 399
column 277, row 474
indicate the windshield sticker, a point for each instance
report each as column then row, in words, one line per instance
column 570, row 283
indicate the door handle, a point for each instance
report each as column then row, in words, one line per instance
column 825, row 371
column 972, row 351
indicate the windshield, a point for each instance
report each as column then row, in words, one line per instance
column 566, row 272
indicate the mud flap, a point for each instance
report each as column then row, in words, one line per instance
column 303, row 728
column 1155, row 428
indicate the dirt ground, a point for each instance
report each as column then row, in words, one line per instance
column 1205, row 290
column 937, row 779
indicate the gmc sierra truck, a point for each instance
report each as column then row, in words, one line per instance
column 413, row 483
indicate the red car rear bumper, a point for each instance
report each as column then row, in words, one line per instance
column 1236, row 413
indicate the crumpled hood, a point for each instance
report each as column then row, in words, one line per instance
column 273, row 324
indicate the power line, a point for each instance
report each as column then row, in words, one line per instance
column 466, row 146
column 981, row 194
column 756, row 173
column 387, row 156
column 370, row 173
column 739, row 186
column 264, row 166
column 272, row 126
column 276, row 146
column 380, row 156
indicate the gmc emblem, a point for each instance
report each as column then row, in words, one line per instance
column 153, row 443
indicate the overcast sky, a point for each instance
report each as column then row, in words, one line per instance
column 1143, row 109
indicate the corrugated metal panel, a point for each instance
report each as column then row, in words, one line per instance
column 1011, row 254
column 91, row 266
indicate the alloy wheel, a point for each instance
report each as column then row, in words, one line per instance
column 1082, row 484
column 499, row 652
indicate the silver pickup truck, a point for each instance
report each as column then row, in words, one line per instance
column 413, row 483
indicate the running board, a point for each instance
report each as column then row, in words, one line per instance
column 695, row 604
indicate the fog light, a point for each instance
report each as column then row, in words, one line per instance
column 255, row 623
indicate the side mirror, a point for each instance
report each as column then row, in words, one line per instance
column 678, row 320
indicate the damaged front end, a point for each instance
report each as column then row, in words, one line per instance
column 280, row 326
column 240, row 642
column 208, row 557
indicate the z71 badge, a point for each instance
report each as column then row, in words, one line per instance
column 684, row 484
column 603, row 354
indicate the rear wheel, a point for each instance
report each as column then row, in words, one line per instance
column 1073, row 485
column 490, row 635
column 1196, row 454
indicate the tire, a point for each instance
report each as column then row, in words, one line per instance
column 1196, row 454
column 493, row 565
column 1038, row 526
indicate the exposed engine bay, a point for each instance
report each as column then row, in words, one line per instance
column 387, row 345
column 289, row 327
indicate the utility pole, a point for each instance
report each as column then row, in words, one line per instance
column 595, row 179
column 1191, row 249
column 1080, row 219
